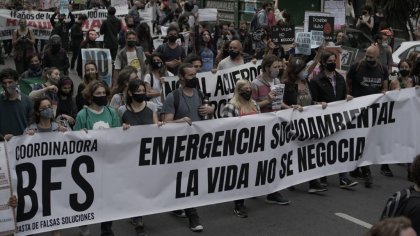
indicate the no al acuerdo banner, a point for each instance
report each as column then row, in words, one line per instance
column 76, row 178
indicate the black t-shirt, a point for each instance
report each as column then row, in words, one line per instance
column 143, row 117
column 366, row 80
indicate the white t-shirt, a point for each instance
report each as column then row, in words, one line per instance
column 228, row 63
column 157, row 88
column 132, row 60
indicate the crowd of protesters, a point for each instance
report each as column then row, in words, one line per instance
column 135, row 97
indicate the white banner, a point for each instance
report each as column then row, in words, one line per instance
column 103, row 60
column 78, row 178
column 7, row 217
column 39, row 21
column 207, row 14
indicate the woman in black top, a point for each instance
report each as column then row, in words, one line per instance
column 66, row 108
column 136, row 110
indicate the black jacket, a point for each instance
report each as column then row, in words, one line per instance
column 110, row 29
column 76, row 35
column 322, row 90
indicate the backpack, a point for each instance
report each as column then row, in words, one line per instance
column 397, row 202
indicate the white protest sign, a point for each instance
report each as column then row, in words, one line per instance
column 207, row 14
column 64, row 7
column 278, row 91
column 7, row 216
column 336, row 9
column 77, row 178
column 303, row 43
column 103, row 60
column 317, row 38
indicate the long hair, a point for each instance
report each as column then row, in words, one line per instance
column 295, row 66
column 162, row 71
column 324, row 58
column 65, row 81
column 85, row 80
column 208, row 44
column 37, row 103
column 122, row 81
column 239, row 102
column 92, row 87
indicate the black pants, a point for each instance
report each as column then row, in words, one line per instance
column 75, row 54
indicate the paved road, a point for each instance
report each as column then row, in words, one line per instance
column 309, row 214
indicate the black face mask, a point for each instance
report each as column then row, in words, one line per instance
column 130, row 25
column 233, row 54
column 55, row 48
column 371, row 63
column 404, row 73
column 100, row 100
column 191, row 83
column 35, row 67
column 172, row 38
column 330, row 66
column 246, row 95
column 139, row 97
column 157, row 65
column 131, row 44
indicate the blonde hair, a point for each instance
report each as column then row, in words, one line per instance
column 239, row 102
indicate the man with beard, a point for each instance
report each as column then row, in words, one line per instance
column 110, row 29
column 16, row 108
column 55, row 55
column 235, row 56
column 173, row 54
column 367, row 77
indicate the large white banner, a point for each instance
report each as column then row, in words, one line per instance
column 7, row 217
column 39, row 21
column 78, row 178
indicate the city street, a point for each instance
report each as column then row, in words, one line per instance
column 335, row 212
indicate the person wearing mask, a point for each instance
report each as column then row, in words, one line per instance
column 368, row 77
column 97, row 116
column 23, row 40
column 91, row 74
column 235, row 56
column 89, row 42
column 261, row 86
column 56, row 56
column 241, row 104
column 66, row 107
column 330, row 86
column 49, row 88
column 366, row 22
column 119, row 92
column 77, row 38
column 185, row 104
column 130, row 55
column 206, row 51
column 403, row 80
column 173, row 54
column 245, row 37
column 61, row 28
column 35, row 69
column 385, row 51
column 110, row 29
column 154, row 80
column 16, row 108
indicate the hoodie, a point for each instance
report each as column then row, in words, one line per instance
column 110, row 29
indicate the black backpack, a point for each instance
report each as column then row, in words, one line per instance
column 176, row 94
column 397, row 202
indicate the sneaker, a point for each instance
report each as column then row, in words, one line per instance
column 386, row 171
column 137, row 221
column 276, row 198
column 84, row 230
column 240, row 211
column 195, row 224
column 347, row 183
column 356, row 174
column 180, row 213
column 316, row 188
